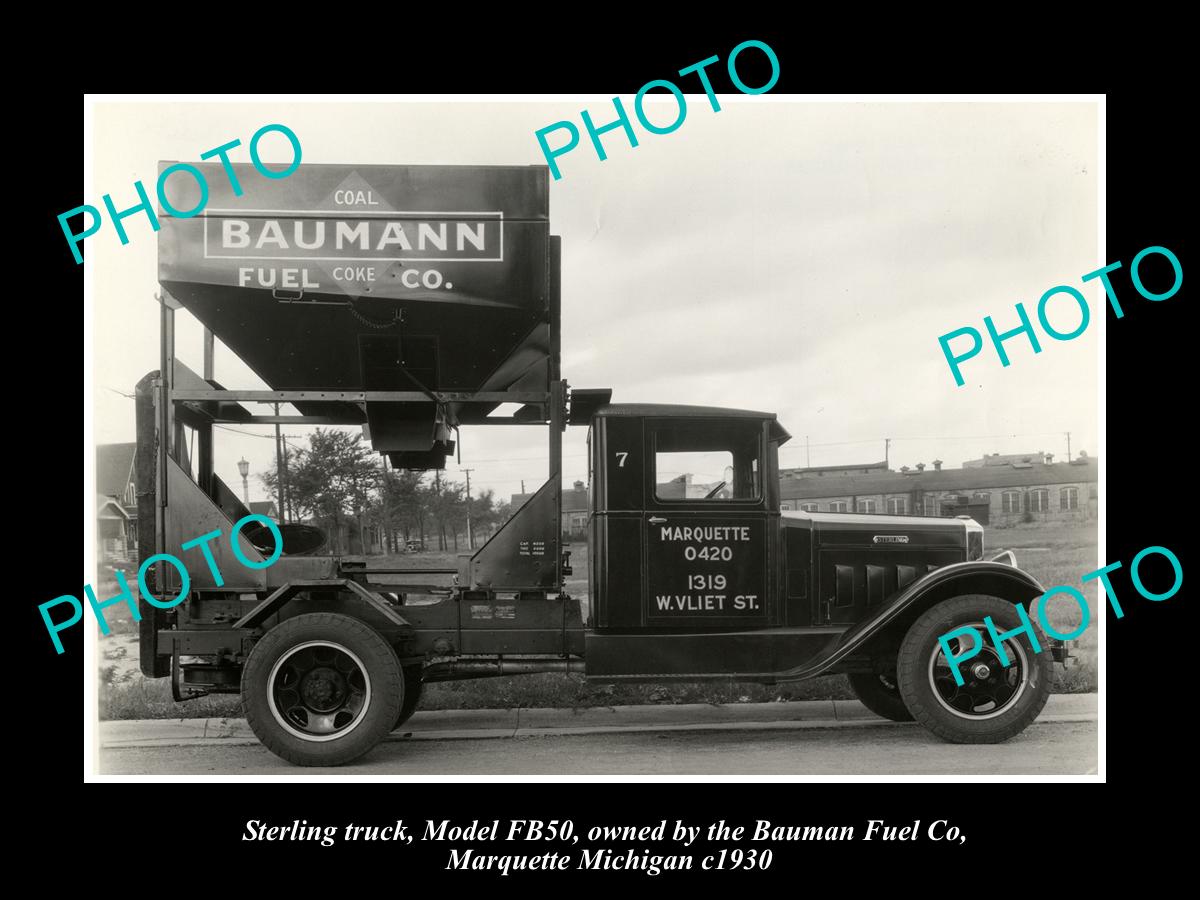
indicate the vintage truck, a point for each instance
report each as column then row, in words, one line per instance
column 358, row 310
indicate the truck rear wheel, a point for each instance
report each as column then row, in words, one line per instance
column 412, row 694
column 322, row 689
column 880, row 693
column 995, row 701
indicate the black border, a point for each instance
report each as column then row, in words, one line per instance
column 1146, row 457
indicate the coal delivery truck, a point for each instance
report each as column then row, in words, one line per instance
column 414, row 302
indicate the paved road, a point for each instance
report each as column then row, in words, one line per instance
column 1045, row 748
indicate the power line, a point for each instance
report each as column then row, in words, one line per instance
column 977, row 437
column 268, row 436
column 962, row 437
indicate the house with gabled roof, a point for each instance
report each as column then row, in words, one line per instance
column 116, row 501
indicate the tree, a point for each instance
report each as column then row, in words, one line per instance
column 446, row 501
column 405, row 505
column 486, row 514
column 334, row 478
column 339, row 478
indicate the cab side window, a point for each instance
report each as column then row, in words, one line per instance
column 703, row 459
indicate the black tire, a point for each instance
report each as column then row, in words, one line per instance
column 987, row 708
column 880, row 693
column 322, row 689
column 412, row 694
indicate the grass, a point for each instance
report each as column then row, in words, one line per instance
column 150, row 698
column 1053, row 554
column 1060, row 554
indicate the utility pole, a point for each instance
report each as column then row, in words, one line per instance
column 522, row 485
column 287, row 506
column 388, row 543
column 437, row 495
column 1068, row 446
column 887, row 446
column 807, row 455
column 279, row 477
column 470, row 534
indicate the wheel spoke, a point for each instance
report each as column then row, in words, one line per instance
column 355, row 702
column 322, row 724
column 325, row 655
column 963, row 701
column 945, row 685
column 288, row 678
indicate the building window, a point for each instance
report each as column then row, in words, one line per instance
column 866, row 506
column 787, row 504
column 1010, row 501
column 982, row 497
column 897, row 506
column 931, row 505
column 1039, row 500
column 1068, row 498
column 837, row 506
column 808, row 507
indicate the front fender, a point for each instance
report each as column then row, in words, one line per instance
column 994, row 579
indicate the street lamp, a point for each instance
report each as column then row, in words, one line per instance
column 244, row 468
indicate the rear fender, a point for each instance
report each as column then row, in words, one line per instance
column 343, row 595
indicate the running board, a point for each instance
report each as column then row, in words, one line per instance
column 742, row 655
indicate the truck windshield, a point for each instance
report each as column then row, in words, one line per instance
column 704, row 459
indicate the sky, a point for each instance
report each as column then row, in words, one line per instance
column 784, row 255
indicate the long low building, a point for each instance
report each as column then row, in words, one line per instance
column 1002, row 491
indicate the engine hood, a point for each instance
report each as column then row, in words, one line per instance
column 854, row 529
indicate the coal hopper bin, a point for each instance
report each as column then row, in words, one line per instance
column 408, row 300
column 359, row 284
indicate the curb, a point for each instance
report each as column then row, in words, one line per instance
column 492, row 724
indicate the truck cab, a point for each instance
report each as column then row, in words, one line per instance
column 692, row 492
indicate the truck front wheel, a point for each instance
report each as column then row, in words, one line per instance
column 322, row 689
column 995, row 701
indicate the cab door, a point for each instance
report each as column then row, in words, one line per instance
column 617, row 521
column 705, row 524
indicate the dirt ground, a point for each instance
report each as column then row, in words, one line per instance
column 1054, row 554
